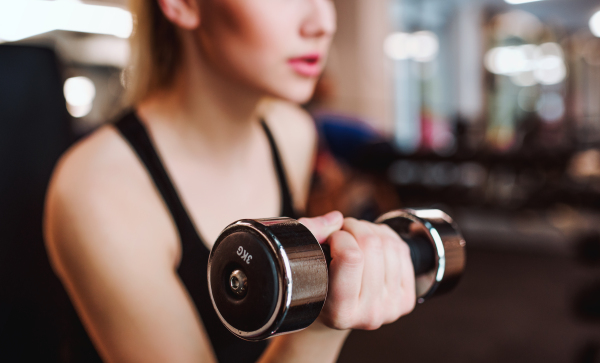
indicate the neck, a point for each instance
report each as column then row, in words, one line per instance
column 208, row 110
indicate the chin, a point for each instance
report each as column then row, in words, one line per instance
column 296, row 92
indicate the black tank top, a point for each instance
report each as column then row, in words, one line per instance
column 194, row 261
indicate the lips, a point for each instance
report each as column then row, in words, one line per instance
column 308, row 65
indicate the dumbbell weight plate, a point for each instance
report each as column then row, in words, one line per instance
column 286, row 273
column 440, row 232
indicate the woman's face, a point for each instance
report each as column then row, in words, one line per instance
column 277, row 47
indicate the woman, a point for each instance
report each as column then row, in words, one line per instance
column 128, row 231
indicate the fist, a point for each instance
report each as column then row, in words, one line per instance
column 371, row 276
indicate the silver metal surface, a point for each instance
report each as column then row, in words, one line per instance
column 273, row 244
column 302, row 275
column 448, row 244
column 238, row 282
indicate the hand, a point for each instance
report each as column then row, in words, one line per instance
column 371, row 277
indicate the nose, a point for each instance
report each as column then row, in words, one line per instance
column 320, row 19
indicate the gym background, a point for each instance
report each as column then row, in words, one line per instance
column 487, row 109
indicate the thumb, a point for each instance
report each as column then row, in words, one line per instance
column 322, row 227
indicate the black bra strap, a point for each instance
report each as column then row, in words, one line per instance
column 135, row 133
column 287, row 209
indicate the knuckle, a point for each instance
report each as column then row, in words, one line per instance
column 372, row 324
column 398, row 312
column 373, row 318
column 345, row 248
column 340, row 319
column 408, row 309
column 340, row 235
column 336, row 322
column 412, row 305
column 339, row 326
column 368, row 224
column 342, row 324
column 388, row 243
column 372, row 241
column 408, row 304
column 394, row 291
column 352, row 256
column 412, row 301
column 393, row 315
column 337, row 239
column 350, row 220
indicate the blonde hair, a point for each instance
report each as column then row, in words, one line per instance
column 155, row 51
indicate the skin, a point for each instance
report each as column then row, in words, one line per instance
column 112, row 241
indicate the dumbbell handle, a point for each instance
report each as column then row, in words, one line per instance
column 422, row 254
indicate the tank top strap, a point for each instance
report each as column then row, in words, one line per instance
column 194, row 255
column 137, row 136
column 287, row 203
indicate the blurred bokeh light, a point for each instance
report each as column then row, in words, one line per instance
column 26, row 18
column 79, row 93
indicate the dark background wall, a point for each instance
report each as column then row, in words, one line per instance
column 34, row 131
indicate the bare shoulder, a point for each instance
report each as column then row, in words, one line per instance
column 92, row 162
column 114, row 247
column 100, row 201
column 296, row 136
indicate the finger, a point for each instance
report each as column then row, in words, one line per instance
column 371, row 293
column 393, row 275
column 392, row 256
column 406, row 274
column 322, row 227
column 345, row 280
column 408, row 299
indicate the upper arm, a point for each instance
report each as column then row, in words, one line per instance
column 106, row 241
column 296, row 136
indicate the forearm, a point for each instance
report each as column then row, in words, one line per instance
column 317, row 343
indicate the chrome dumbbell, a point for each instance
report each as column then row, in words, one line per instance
column 268, row 277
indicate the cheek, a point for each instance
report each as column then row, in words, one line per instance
column 249, row 35
column 252, row 42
